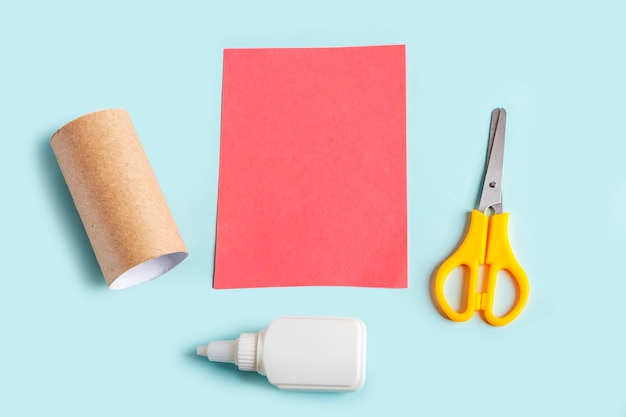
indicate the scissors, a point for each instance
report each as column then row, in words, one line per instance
column 486, row 243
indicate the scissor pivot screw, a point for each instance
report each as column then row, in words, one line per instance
column 492, row 184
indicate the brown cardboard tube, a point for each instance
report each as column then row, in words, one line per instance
column 120, row 203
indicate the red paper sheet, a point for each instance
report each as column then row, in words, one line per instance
column 312, row 176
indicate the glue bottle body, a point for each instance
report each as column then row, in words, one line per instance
column 300, row 353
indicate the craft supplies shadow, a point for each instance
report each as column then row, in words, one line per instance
column 63, row 205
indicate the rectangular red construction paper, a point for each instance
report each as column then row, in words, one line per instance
column 312, row 176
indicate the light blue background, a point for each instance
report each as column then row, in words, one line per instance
column 70, row 346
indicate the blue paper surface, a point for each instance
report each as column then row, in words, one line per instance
column 70, row 346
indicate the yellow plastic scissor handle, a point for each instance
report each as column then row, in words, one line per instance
column 500, row 257
column 486, row 243
column 470, row 254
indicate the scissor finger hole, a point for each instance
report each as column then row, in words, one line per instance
column 455, row 288
column 505, row 293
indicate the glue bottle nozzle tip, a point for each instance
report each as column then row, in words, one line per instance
column 202, row 350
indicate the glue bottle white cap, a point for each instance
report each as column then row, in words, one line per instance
column 300, row 353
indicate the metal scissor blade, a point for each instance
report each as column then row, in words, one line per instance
column 495, row 115
column 491, row 196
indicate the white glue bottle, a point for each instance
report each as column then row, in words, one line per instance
column 300, row 353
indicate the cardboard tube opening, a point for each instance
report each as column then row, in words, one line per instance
column 120, row 203
column 148, row 270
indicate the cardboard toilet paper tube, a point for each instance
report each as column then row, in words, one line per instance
column 127, row 220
